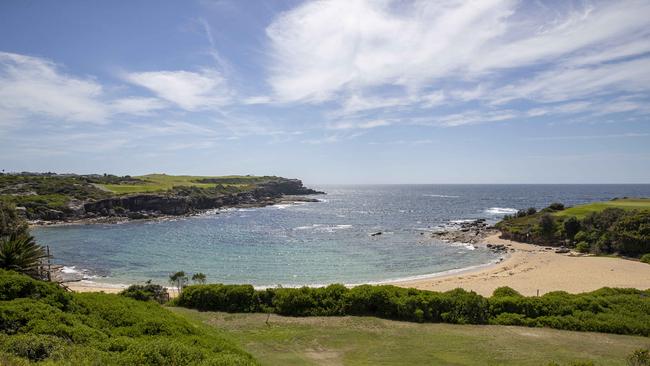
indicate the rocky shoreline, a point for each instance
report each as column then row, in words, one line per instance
column 471, row 232
column 157, row 215
column 177, row 201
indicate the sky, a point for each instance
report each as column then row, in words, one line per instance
column 352, row 91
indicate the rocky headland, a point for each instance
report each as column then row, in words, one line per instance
column 47, row 198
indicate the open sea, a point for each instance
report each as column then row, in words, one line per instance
column 310, row 243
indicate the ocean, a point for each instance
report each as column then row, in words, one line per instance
column 311, row 243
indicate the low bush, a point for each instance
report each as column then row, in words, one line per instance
column 645, row 258
column 147, row 292
column 583, row 247
column 624, row 311
column 41, row 322
column 640, row 357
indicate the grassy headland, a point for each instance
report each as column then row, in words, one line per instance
column 619, row 226
column 69, row 197
column 164, row 182
column 581, row 211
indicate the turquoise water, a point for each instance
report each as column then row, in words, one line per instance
column 310, row 243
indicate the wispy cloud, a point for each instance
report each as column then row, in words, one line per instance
column 364, row 125
column 32, row 86
column 187, row 89
column 381, row 58
column 590, row 137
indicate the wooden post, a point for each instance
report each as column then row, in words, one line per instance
column 49, row 265
column 537, row 292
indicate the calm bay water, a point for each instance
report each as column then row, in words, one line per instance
column 311, row 243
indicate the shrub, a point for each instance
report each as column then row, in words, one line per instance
column 505, row 291
column 640, row 357
column 556, row 206
column 571, row 227
column 34, row 347
column 583, row 247
column 41, row 322
column 146, row 292
column 645, row 258
column 547, row 225
column 621, row 311
column 11, row 223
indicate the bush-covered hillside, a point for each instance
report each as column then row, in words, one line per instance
column 618, row 226
column 623, row 311
column 41, row 322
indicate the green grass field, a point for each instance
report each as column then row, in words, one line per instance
column 163, row 182
column 373, row 341
column 625, row 203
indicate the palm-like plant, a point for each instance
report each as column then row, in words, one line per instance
column 199, row 278
column 20, row 253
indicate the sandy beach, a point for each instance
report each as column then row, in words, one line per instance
column 86, row 286
column 531, row 268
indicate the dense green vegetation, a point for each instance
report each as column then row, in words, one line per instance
column 281, row 340
column 623, row 311
column 41, row 322
column 43, row 192
column 619, row 226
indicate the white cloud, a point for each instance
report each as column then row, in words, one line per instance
column 189, row 90
column 492, row 51
column 137, row 105
column 357, row 103
column 320, row 48
column 591, row 137
column 364, row 125
column 571, row 83
column 31, row 86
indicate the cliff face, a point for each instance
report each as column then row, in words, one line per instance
column 151, row 205
column 287, row 186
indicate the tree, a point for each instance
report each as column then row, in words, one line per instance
column 20, row 253
column 571, row 227
column 198, row 278
column 178, row 280
column 10, row 221
column 547, row 225
column 556, row 206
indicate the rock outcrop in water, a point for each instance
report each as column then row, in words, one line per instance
column 470, row 232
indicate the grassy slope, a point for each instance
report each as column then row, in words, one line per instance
column 373, row 341
column 38, row 320
column 626, row 204
column 162, row 182
column 520, row 224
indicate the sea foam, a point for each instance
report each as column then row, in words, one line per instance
column 501, row 210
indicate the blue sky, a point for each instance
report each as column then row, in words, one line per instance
column 445, row 91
